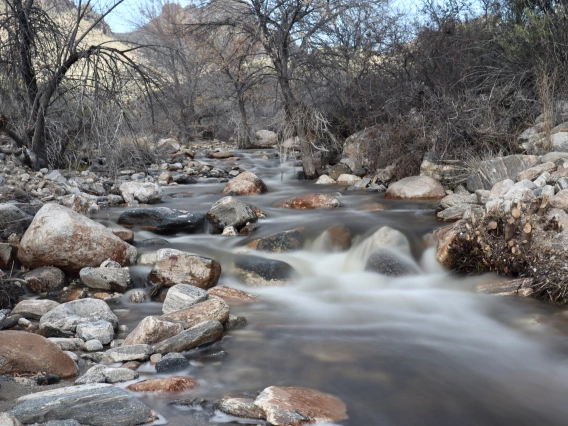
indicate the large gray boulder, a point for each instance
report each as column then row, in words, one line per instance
column 96, row 404
column 62, row 321
column 70, row 241
column 177, row 267
column 498, row 169
column 229, row 211
column 109, row 277
column 183, row 296
column 162, row 220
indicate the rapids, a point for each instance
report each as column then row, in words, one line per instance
column 419, row 350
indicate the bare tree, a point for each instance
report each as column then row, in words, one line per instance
column 51, row 59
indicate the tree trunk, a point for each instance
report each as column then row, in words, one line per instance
column 244, row 139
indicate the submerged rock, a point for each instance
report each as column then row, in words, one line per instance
column 388, row 262
column 310, row 201
column 166, row 384
column 97, row 404
column 240, row 405
column 26, row 353
column 233, row 295
column 63, row 238
column 281, row 242
column 259, row 271
column 171, row 362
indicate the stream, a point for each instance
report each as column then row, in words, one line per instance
column 421, row 350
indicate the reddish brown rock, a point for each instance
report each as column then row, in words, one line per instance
column 338, row 238
column 131, row 365
column 167, row 384
column 233, row 295
column 153, row 330
column 293, row 406
column 416, row 188
column 124, row 234
column 246, row 183
column 212, row 309
column 240, row 405
column 177, row 267
column 27, row 353
column 220, row 155
column 70, row 241
column 310, row 201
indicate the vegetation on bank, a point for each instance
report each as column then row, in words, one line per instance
column 457, row 80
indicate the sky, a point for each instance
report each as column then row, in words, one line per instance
column 127, row 15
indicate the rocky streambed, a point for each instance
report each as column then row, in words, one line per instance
column 266, row 300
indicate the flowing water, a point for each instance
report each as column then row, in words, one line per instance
column 424, row 349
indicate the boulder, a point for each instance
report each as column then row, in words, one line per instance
column 166, row 384
column 294, row 406
column 246, row 183
column 183, row 296
column 63, row 319
column 281, row 242
column 235, row 322
column 458, row 212
column 357, row 146
column 9, row 420
column 26, row 353
column 260, row 272
column 265, row 138
column 310, row 201
column 233, row 295
column 220, row 155
column 229, row 211
column 44, row 280
column 96, row 404
column 171, row 362
column 213, row 309
column 177, row 267
column 101, row 330
column 124, row 353
column 325, row 180
column 199, row 335
column 152, row 330
column 416, row 188
column 110, row 277
column 146, row 193
column 348, row 179
column 162, row 220
column 497, row 169
column 533, row 172
column 168, row 146
column 336, row 238
column 63, row 238
column 34, row 309
column 68, row 344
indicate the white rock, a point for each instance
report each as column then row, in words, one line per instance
column 146, row 193
column 182, row 296
column 98, row 330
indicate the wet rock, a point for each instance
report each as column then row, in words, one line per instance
column 325, row 180
column 97, row 404
column 240, row 405
column 193, row 337
column 110, row 276
column 497, row 169
column 183, row 296
column 63, row 319
column 152, row 330
column 229, row 211
column 146, row 192
column 101, row 330
column 171, row 362
column 388, row 262
column 447, row 237
column 161, row 220
column 44, row 280
column 337, row 238
column 453, row 200
column 310, row 201
column 103, row 374
column 60, row 237
column 177, row 267
column 281, row 242
column 230, row 231
column 93, row 345
column 34, row 309
column 222, row 155
column 259, row 271
column 167, row 384
column 212, row 309
column 245, row 183
column 138, row 352
column 347, row 179
column 233, row 295
column 125, row 235
column 151, row 242
column 27, row 353
column 235, row 322
column 416, row 188
column 132, row 365
column 292, row 406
